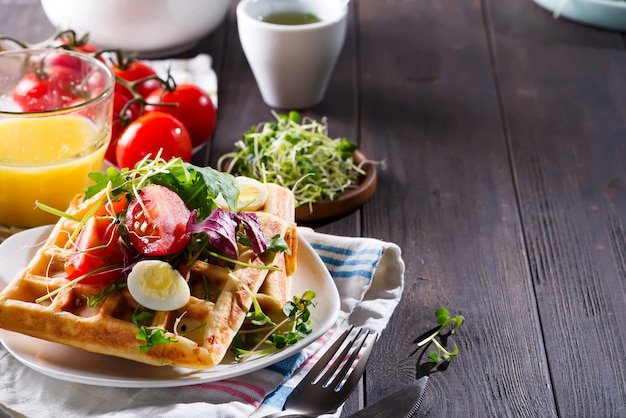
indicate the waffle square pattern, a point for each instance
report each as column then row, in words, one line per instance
column 200, row 332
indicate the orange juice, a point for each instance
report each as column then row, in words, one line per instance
column 45, row 160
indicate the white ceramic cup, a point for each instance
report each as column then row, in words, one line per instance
column 292, row 64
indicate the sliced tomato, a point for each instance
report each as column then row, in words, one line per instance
column 152, row 133
column 97, row 253
column 191, row 105
column 157, row 220
column 113, row 207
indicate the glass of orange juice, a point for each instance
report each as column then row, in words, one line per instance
column 55, row 126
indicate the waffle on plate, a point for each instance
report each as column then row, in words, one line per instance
column 42, row 302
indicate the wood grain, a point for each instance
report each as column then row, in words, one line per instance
column 430, row 107
column 563, row 102
column 502, row 136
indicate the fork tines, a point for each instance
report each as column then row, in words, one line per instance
column 336, row 371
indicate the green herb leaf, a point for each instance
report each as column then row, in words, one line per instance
column 96, row 299
column 151, row 336
column 298, row 155
column 197, row 186
column 293, row 328
column 442, row 355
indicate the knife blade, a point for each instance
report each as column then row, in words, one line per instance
column 403, row 403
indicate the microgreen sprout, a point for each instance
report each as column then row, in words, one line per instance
column 197, row 186
column 270, row 339
column 297, row 154
column 151, row 336
column 96, row 299
column 445, row 323
column 71, row 283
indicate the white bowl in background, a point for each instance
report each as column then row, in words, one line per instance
column 606, row 14
column 149, row 27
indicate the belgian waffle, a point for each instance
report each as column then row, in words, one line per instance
column 201, row 331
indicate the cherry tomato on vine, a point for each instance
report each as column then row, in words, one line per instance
column 133, row 71
column 194, row 109
column 96, row 248
column 82, row 45
column 60, row 59
column 157, row 220
column 51, row 89
column 150, row 133
column 120, row 121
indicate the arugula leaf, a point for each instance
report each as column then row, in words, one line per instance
column 151, row 336
column 197, row 186
column 278, row 244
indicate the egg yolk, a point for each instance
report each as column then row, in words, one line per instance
column 157, row 281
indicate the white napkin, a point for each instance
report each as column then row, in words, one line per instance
column 369, row 275
column 197, row 70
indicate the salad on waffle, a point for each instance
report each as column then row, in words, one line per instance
column 166, row 263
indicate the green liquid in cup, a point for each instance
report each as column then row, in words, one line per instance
column 291, row 18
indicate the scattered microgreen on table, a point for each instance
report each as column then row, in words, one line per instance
column 446, row 322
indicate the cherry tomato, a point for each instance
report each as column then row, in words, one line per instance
column 51, row 89
column 95, row 83
column 150, row 133
column 71, row 62
column 157, row 220
column 96, row 247
column 82, row 45
column 194, row 109
column 86, row 47
column 120, row 121
column 133, row 71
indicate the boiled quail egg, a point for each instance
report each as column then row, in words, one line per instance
column 156, row 285
column 252, row 195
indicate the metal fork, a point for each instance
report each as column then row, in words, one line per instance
column 339, row 373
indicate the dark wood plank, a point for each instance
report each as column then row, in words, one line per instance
column 429, row 106
column 563, row 95
column 450, row 94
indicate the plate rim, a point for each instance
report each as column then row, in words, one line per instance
column 191, row 376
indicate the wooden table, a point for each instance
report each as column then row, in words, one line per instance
column 504, row 133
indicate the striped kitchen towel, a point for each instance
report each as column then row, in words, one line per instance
column 369, row 275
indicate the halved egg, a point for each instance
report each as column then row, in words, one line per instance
column 252, row 195
column 156, row 285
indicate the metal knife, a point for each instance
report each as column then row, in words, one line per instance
column 403, row 403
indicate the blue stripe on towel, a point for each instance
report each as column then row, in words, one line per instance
column 337, row 259
column 286, row 368
column 277, row 398
column 352, row 273
column 345, row 251
column 350, row 262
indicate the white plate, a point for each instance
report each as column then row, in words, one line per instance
column 75, row 365
column 607, row 14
